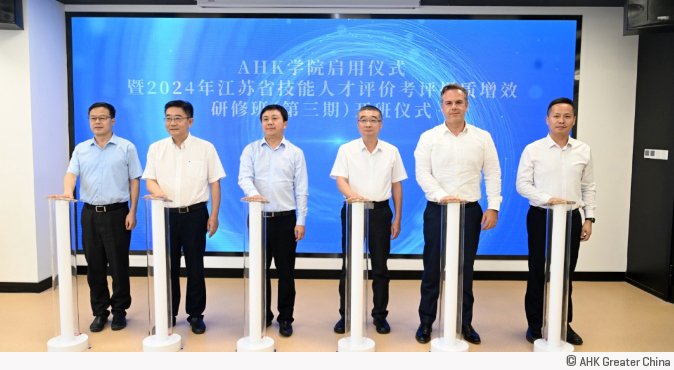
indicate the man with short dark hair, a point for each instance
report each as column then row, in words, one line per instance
column 371, row 169
column 181, row 168
column 274, row 169
column 450, row 160
column 109, row 168
column 554, row 169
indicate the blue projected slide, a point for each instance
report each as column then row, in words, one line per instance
column 322, row 71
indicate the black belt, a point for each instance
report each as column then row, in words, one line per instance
column 279, row 214
column 381, row 204
column 467, row 205
column 107, row 207
column 188, row 209
column 541, row 209
column 375, row 204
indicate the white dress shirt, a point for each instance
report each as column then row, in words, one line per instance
column 184, row 173
column 449, row 165
column 548, row 171
column 370, row 175
column 279, row 175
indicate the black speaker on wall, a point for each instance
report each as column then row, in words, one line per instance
column 11, row 14
column 648, row 16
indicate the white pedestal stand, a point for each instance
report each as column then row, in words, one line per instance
column 255, row 338
column 557, row 271
column 64, row 278
column 161, row 338
column 355, row 336
column 451, row 281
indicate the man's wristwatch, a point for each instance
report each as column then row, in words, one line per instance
column 591, row 219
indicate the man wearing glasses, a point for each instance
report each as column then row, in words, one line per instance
column 371, row 169
column 180, row 168
column 274, row 169
column 109, row 169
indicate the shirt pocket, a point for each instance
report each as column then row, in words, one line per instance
column 195, row 169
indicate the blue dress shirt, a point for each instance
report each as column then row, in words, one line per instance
column 105, row 172
column 279, row 175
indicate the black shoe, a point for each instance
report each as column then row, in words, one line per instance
column 98, row 324
column 340, row 327
column 572, row 337
column 470, row 335
column 268, row 323
column 382, row 326
column 198, row 326
column 118, row 322
column 285, row 328
column 532, row 335
column 424, row 333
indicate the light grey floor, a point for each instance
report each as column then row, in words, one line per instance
column 610, row 316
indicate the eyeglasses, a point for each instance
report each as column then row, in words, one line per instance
column 372, row 121
column 175, row 119
column 101, row 118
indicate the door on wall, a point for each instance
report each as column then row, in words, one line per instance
column 650, row 242
column 649, row 252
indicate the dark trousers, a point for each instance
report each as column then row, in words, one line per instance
column 430, row 280
column 188, row 234
column 379, row 234
column 281, row 246
column 536, row 230
column 106, row 240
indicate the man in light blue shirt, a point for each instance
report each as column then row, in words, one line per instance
column 108, row 168
column 273, row 169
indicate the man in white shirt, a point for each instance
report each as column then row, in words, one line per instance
column 371, row 169
column 553, row 169
column 449, row 160
column 180, row 168
column 274, row 169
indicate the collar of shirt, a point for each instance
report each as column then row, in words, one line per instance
column 185, row 143
column 113, row 140
column 445, row 130
column 283, row 143
column 361, row 145
column 550, row 142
